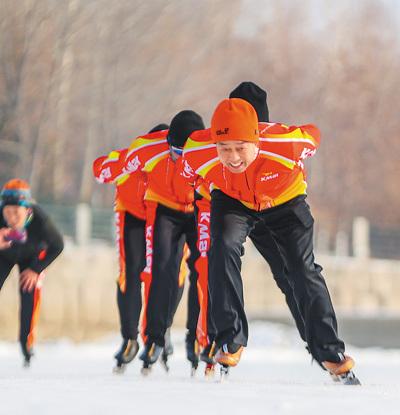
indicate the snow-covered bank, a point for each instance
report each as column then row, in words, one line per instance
column 274, row 377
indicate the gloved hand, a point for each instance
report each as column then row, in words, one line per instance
column 4, row 241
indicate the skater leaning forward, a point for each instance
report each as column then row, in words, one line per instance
column 260, row 236
column 29, row 239
column 130, row 222
column 170, row 224
column 257, row 177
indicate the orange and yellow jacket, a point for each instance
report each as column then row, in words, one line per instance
column 150, row 154
column 276, row 176
column 130, row 189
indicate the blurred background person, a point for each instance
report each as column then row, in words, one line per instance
column 34, row 243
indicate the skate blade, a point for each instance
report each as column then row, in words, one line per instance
column 165, row 365
column 119, row 369
column 193, row 369
column 209, row 371
column 145, row 371
column 26, row 364
column 349, row 378
column 224, row 373
column 334, row 377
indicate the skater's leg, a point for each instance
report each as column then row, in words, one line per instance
column 192, row 347
column 292, row 228
column 168, row 249
column 168, row 346
column 177, row 295
column 193, row 300
column 129, row 296
column 266, row 246
column 230, row 225
column 5, row 269
column 29, row 314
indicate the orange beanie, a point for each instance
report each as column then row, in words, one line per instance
column 16, row 184
column 16, row 192
column 234, row 119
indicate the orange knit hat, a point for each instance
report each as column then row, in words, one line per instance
column 16, row 192
column 234, row 119
column 16, row 184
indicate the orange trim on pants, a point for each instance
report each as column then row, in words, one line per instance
column 37, row 298
column 201, row 265
column 146, row 275
column 184, row 269
column 120, row 233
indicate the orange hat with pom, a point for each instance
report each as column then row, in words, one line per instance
column 234, row 119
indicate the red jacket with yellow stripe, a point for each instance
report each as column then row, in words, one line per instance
column 275, row 176
column 151, row 154
column 130, row 189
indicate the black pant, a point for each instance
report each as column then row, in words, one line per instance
column 27, row 299
column 129, row 297
column 171, row 230
column 266, row 246
column 291, row 227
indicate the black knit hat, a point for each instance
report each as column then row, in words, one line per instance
column 159, row 127
column 182, row 125
column 256, row 96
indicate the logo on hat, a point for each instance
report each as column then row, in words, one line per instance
column 222, row 132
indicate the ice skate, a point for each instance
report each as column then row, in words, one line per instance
column 192, row 354
column 149, row 356
column 168, row 350
column 209, row 371
column 229, row 354
column 224, row 372
column 207, row 355
column 27, row 354
column 125, row 354
column 342, row 371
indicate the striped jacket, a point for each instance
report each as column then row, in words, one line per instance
column 130, row 189
column 276, row 176
column 151, row 154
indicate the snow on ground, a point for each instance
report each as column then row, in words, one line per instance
column 274, row 377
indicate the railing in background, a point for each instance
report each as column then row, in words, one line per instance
column 384, row 243
column 63, row 216
column 83, row 223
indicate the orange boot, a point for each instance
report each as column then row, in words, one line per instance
column 340, row 368
column 227, row 356
column 342, row 371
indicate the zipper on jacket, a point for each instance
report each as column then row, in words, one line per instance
column 256, row 204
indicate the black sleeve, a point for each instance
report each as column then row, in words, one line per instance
column 51, row 239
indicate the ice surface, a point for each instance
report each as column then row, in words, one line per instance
column 275, row 376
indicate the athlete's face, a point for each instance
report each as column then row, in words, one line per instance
column 15, row 216
column 237, row 156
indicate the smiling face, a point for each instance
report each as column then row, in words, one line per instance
column 15, row 216
column 237, row 156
